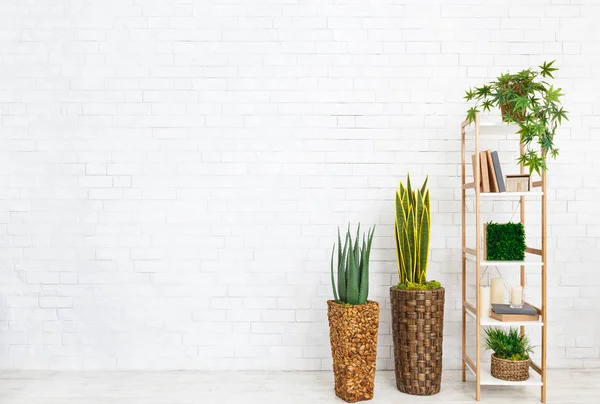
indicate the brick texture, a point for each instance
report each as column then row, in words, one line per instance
column 172, row 172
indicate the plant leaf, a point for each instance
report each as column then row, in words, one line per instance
column 333, row 286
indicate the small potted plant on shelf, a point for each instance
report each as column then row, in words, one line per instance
column 353, row 320
column 510, row 360
column 529, row 100
column 417, row 304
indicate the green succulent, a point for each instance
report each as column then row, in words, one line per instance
column 508, row 345
column 352, row 286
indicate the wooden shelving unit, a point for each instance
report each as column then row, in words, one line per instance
column 535, row 258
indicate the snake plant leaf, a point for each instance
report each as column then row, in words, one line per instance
column 423, row 245
column 409, row 230
column 401, row 190
column 405, row 205
column 412, row 233
column 419, row 208
column 398, row 254
column 409, row 190
column 335, row 295
column 424, row 187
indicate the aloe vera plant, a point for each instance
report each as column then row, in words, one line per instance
column 352, row 267
column 411, row 230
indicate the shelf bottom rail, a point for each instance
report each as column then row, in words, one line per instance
column 535, row 367
column 534, row 251
column 529, row 250
column 468, row 306
column 470, row 363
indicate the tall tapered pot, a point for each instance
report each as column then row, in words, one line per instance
column 418, row 329
column 353, row 331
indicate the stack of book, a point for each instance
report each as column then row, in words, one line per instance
column 491, row 178
column 503, row 312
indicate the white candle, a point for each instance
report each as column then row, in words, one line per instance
column 516, row 295
column 497, row 292
column 484, row 297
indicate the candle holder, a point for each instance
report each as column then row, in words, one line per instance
column 517, row 297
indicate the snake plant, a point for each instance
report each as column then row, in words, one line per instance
column 411, row 230
column 352, row 268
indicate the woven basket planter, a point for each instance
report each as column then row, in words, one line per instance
column 353, row 334
column 513, row 371
column 418, row 329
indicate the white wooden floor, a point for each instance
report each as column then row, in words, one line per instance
column 263, row 387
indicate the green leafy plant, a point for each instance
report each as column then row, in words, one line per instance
column 529, row 100
column 352, row 268
column 411, row 230
column 508, row 345
column 505, row 241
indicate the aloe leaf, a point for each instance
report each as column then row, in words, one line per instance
column 339, row 246
column 356, row 241
column 335, row 295
column 342, row 265
column 364, row 284
column 352, row 292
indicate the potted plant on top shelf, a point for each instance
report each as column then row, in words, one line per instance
column 529, row 100
column 353, row 319
column 510, row 360
column 417, row 304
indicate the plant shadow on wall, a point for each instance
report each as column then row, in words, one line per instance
column 353, row 319
column 417, row 304
column 529, row 100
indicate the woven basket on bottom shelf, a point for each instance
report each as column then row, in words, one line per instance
column 418, row 329
column 512, row 371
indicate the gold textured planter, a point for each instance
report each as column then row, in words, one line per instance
column 418, row 330
column 353, row 331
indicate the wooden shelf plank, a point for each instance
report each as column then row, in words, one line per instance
column 486, row 263
column 488, row 380
column 491, row 322
column 506, row 195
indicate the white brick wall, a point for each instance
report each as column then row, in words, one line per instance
column 172, row 172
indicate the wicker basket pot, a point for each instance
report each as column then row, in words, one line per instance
column 509, row 109
column 353, row 334
column 513, row 371
column 418, row 329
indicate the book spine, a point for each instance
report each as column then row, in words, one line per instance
column 498, row 169
column 492, row 171
column 474, row 161
column 485, row 178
